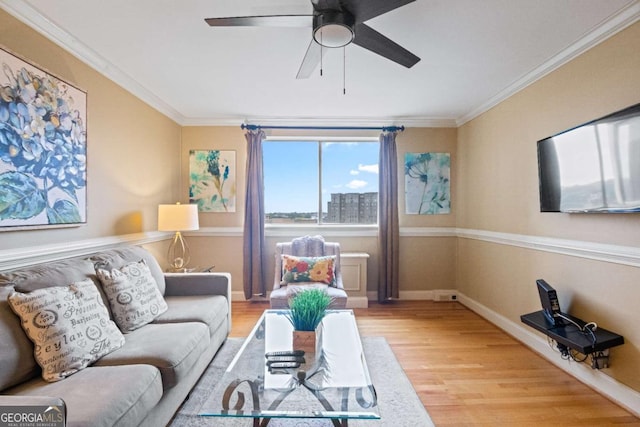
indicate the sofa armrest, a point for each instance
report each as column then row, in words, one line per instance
column 339, row 283
column 17, row 400
column 189, row 284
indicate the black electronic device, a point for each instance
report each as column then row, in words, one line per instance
column 297, row 353
column 274, row 359
column 550, row 303
column 593, row 167
column 284, row 365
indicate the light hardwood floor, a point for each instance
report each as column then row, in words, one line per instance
column 468, row 372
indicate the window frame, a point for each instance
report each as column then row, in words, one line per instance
column 358, row 229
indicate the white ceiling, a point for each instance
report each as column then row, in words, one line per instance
column 474, row 54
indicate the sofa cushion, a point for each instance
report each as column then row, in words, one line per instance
column 48, row 274
column 69, row 326
column 16, row 350
column 173, row 348
column 117, row 258
column 102, row 396
column 297, row 269
column 211, row 310
column 133, row 295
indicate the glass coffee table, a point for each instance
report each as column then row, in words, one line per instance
column 331, row 383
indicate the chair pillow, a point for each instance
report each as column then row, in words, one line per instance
column 133, row 295
column 308, row 269
column 68, row 325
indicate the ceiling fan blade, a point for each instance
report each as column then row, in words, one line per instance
column 363, row 10
column 311, row 60
column 321, row 5
column 262, row 21
column 372, row 40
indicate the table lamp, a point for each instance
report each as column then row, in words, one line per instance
column 178, row 218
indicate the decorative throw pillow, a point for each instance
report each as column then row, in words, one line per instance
column 308, row 269
column 133, row 295
column 69, row 326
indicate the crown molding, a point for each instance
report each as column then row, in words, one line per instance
column 34, row 19
column 613, row 25
column 409, row 122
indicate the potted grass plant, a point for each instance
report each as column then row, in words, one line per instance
column 306, row 312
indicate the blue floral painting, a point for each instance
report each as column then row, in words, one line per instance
column 43, row 148
column 212, row 182
column 427, row 183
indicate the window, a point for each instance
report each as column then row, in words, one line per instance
column 321, row 182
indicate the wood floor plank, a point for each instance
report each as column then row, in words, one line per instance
column 467, row 372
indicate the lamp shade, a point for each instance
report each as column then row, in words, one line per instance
column 177, row 217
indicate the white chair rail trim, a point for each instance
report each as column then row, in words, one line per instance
column 16, row 258
column 626, row 255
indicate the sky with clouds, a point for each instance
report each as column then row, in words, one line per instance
column 291, row 173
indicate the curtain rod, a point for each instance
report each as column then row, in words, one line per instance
column 382, row 128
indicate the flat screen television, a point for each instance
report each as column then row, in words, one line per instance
column 594, row 167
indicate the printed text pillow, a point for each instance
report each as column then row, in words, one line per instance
column 68, row 325
column 308, row 269
column 133, row 295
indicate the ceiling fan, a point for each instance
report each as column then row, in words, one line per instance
column 335, row 23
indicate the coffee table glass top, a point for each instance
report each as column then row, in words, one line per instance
column 332, row 383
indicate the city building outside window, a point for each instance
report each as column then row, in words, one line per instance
column 321, row 182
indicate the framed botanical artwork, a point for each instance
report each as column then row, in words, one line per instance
column 427, row 183
column 212, row 180
column 43, row 148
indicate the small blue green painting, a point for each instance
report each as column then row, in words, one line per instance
column 427, row 183
column 212, row 180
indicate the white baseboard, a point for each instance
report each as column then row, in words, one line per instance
column 596, row 379
column 239, row 296
column 357, row 302
column 431, row 295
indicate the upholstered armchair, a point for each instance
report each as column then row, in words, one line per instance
column 307, row 246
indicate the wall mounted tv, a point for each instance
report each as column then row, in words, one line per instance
column 594, row 167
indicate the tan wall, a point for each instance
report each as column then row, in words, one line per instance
column 498, row 191
column 421, row 140
column 138, row 158
column 216, row 138
column 426, row 263
column 132, row 149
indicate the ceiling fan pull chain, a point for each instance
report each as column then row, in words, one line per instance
column 321, row 47
column 344, row 70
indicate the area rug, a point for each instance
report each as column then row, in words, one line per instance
column 398, row 402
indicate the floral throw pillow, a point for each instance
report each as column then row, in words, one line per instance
column 133, row 295
column 308, row 269
column 68, row 325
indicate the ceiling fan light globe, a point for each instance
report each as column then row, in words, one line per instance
column 333, row 29
column 333, row 35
